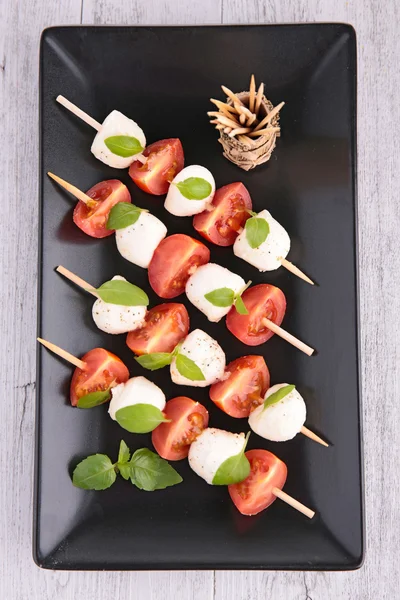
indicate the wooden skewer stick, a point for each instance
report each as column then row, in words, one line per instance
column 73, row 190
column 295, row 270
column 288, row 337
column 259, row 98
column 232, row 119
column 223, row 106
column 79, row 113
column 265, row 131
column 63, row 353
column 269, row 116
column 313, row 436
column 231, row 95
column 293, row 502
column 77, row 280
column 239, row 130
column 252, row 93
column 228, row 122
column 251, row 120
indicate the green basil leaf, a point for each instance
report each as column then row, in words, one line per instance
column 154, row 361
column 240, row 306
column 150, row 472
column 122, row 215
column 123, row 454
column 140, row 418
column 221, row 297
column 94, row 399
column 123, row 145
column 125, row 470
column 122, row 293
column 194, row 188
column 257, row 231
column 95, row 472
column 188, row 368
column 278, row 395
column 234, row 469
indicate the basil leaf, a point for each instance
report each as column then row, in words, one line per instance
column 278, row 395
column 234, row 469
column 154, row 361
column 125, row 471
column 123, row 145
column 140, row 418
column 124, row 454
column 240, row 306
column 95, row 472
column 122, row 293
column 188, row 368
column 194, row 188
column 257, row 231
column 94, row 399
column 221, row 297
column 150, row 472
column 122, row 215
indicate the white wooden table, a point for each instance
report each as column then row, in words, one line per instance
column 376, row 23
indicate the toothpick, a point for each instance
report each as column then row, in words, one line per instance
column 227, row 122
column 227, row 129
column 245, row 140
column 259, row 98
column 223, row 107
column 295, row 270
column 239, row 130
column 77, row 280
column 73, row 190
column 288, row 337
column 79, row 113
column 63, row 353
column 265, row 131
column 252, row 93
column 231, row 95
column 242, row 119
column 269, row 116
column 313, row 436
column 293, row 502
column 219, row 127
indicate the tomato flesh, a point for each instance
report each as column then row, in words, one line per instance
column 254, row 494
column 165, row 326
column 103, row 369
column 93, row 219
column 244, row 388
column 231, row 205
column 174, row 260
column 187, row 420
column 262, row 301
column 165, row 160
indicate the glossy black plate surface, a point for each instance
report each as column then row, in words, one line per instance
column 163, row 78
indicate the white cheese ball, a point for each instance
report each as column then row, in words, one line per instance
column 116, row 124
column 208, row 278
column 281, row 421
column 177, row 204
column 211, row 449
column 137, row 242
column 266, row 256
column 208, row 356
column 114, row 318
column 137, row 390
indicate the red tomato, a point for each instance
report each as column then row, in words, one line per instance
column 165, row 326
column 102, row 369
column 188, row 419
column 244, row 388
column 254, row 494
column 261, row 301
column 92, row 219
column 165, row 160
column 221, row 225
column 174, row 260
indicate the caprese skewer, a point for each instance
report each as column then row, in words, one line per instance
column 190, row 192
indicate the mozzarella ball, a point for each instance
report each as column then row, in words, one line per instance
column 208, row 356
column 115, row 318
column 208, row 278
column 281, row 421
column 211, row 448
column 137, row 390
column 267, row 256
column 116, row 124
column 177, row 204
column 137, row 242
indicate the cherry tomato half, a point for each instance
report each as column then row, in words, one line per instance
column 174, row 260
column 165, row 160
column 102, row 369
column 254, row 494
column 92, row 219
column 165, row 326
column 244, row 388
column 188, row 419
column 231, row 205
column 261, row 301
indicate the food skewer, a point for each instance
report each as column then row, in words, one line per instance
column 77, row 362
column 288, row 337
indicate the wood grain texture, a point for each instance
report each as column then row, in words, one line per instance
column 379, row 181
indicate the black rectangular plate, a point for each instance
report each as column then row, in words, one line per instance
column 163, row 77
